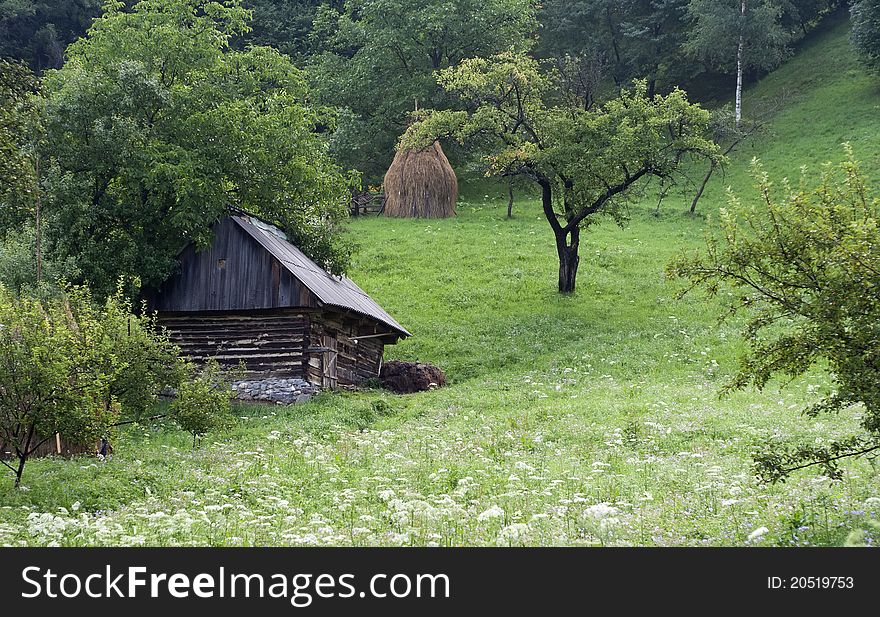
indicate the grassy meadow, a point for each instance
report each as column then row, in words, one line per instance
column 592, row 419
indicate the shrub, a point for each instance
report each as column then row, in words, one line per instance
column 55, row 372
column 804, row 262
column 149, row 361
column 203, row 401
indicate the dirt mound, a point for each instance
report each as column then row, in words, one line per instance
column 406, row 377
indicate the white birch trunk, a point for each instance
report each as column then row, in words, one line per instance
column 739, row 68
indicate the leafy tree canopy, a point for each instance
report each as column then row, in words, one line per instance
column 866, row 32
column 19, row 125
column 719, row 25
column 157, row 126
column 37, row 32
column 587, row 162
column 803, row 261
column 376, row 60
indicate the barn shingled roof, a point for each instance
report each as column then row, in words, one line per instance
column 331, row 290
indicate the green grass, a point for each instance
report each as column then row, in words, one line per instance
column 588, row 419
column 826, row 99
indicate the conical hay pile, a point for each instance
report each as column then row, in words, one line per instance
column 421, row 184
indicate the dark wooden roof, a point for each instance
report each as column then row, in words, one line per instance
column 251, row 265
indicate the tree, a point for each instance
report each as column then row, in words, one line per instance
column 738, row 34
column 19, row 119
column 55, row 371
column 636, row 38
column 21, row 132
column 203, row 403
column 377, row 59
column 802, row 261
column 157, row 126
column 730, row 134
column 37, row 32
column 800, row 15
column 866, row 32
column 587, row 162
column 285, row 25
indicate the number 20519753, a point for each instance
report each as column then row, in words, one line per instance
column 810, row 582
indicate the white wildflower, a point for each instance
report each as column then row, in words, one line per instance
column 758, row 533
column 600, row 511
column 493, row 512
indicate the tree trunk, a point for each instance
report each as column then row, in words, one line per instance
column 18, row 472
column 568, row 259
column 702, row 188
column 739, row 67
column 22, row 453
column 510, row 200
column 38, row 232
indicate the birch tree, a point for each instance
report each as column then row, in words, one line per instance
column 738, row 36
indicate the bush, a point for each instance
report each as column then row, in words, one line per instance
column 203, row 401
column 804, row 262
column 55, row 372
column 149, row 361
column 70, row 366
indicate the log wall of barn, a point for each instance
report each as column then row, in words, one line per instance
column 356, row 361
column 269, row 344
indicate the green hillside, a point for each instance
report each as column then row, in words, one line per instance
column 825, row 98
column 589, row 419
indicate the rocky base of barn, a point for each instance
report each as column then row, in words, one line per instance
column 281, row 391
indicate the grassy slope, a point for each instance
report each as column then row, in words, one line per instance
column 827, row 99
column 584, row 419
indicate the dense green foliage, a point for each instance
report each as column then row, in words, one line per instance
column 148, row 361
column 38, row 31
column 378, row 59
column 19, row 129
column 804, row 261
column 56, row 366
column 866, row 32
column 635, row 39
column 71, row 366
column 286, row 25
column 719, row 25
column 374, row 60
column 587, row 162
column 202, row 403
column 156, row 127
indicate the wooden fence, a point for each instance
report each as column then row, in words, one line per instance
column 367, row 203
column 54, row 446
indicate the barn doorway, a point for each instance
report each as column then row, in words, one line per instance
column 329, row 376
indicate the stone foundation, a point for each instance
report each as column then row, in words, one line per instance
column 281, row 391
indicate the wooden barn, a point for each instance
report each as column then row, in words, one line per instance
column 256, row 299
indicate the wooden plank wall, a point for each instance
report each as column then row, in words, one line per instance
column 356, row 361
column 234, row 274
column 269, row 344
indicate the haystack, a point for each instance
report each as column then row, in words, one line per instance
column 421, row 184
